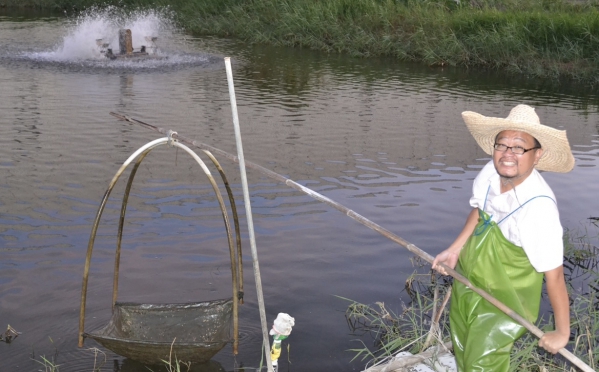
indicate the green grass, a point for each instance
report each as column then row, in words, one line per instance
column 175, row 365
column 552, row 39
column 404, row 330
column 49, row 365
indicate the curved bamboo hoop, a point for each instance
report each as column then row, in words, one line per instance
column 235, row 221
column 235, row 255
column 366, row 222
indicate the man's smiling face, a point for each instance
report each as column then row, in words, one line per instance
column 512, row 167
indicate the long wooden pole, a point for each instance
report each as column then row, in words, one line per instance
column 366, row 222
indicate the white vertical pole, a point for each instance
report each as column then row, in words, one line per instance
column 248, row 213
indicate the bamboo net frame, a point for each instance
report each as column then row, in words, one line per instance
column 235, row 254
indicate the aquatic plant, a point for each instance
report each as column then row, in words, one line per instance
column 175, row 365
column 49, row 365
column 420, row 324
column 98, row 363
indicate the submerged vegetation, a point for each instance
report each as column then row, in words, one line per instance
column 554, row 39
column 425, row 321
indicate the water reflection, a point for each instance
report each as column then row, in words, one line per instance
column 129, row 365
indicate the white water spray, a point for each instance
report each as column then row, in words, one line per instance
column 90, row 31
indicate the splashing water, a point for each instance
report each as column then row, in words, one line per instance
column 91, row 34
column 85, row 37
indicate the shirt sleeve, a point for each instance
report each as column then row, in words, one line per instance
column 480, row 185
column 541, row 234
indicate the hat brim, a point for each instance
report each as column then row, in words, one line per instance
column 557, row 156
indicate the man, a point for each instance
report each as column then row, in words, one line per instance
column 511, row 239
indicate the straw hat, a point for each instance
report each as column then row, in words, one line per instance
column 557, row 156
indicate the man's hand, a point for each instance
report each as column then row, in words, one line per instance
column 553, row 341
column 448, row 257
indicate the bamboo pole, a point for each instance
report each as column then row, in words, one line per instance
column 366, row 222
column 248, row 213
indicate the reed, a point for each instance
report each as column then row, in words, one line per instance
column 549, row 39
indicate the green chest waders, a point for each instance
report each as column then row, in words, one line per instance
column 482, row 334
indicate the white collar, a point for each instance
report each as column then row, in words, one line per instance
column 529, row 188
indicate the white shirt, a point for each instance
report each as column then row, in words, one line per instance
column 535, row 227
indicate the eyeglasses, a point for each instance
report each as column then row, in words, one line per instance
column 517, row 150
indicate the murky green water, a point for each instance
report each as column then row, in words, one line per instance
column 382, row 138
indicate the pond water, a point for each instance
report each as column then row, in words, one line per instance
column 383, row 138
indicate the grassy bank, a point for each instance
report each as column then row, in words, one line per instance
column 556, row 39
column 543, row 39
